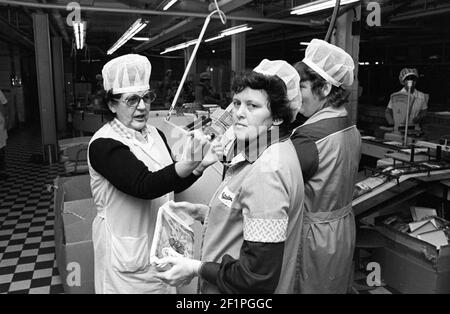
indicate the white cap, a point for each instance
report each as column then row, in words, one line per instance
column 290, row 77
column 407, row 72
column 127, row 74
column 330, row 62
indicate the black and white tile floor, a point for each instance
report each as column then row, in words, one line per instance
column 27, row 247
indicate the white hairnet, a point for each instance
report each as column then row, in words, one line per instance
column 127, row 74
column 290, row 77
column 330, row 62
column 406, row 72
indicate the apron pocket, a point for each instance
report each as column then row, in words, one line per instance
column 130, row 255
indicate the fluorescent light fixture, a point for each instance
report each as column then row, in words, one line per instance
column 137, row 26
column 304, row 43
column 180, row 46
column 236, row 30
column 213, row 38
column 169, row 4
column 318, row 6
column 231, row 31
column 141, row 38
column 79, row 30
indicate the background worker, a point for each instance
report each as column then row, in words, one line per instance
column 329, row 150
column 418, row 101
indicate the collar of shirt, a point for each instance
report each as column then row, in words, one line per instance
column 253, row 150
column 122, row 130
column 414, row 94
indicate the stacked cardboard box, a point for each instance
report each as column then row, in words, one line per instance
column 73, row 152
column 74, row 214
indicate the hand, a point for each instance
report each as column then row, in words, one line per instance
column 193, row 153
column 214, row 154
column 196, row 211
column 196, row 147
column 181, row 273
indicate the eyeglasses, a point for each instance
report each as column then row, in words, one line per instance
column 134, row 100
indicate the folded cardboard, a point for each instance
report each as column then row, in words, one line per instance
column 436, row 237
column 419, row 213
column 422, row 226
column 74, row 213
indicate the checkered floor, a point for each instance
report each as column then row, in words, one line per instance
column 27, row 247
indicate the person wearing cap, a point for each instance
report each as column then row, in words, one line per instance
column 329, row 149
column 132, row 175
column 204, row 93
column 418, row 104
column 252, row 226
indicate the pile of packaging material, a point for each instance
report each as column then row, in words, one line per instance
column 424, row 224
column 73, row 154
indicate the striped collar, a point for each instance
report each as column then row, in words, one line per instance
column 129, row 133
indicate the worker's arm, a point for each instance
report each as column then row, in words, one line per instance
column 114, row 161
column 389, row 116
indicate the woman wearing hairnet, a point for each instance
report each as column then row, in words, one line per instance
column 253, row 224
column 328, row 148
column 132, row 175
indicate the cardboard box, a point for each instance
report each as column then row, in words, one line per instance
column 74, row 213
column 411, row 265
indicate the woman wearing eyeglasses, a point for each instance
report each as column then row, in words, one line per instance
column 132, row 175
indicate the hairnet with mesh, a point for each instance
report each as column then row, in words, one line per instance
column 406, row 72
column 330, row 62
column 290, row 77
column 127, row 74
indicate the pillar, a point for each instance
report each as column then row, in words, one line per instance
column 45, row 86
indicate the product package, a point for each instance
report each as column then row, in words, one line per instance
column 173, row 235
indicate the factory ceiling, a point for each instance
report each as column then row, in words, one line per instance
column 271, row 20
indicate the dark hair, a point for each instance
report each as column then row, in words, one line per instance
column 109, row 97
column 337, row 97
column 274, row 87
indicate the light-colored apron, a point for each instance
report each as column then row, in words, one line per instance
column 124, row 226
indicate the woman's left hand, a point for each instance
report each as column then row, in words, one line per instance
column 214, row 154
column 181, row 273
column 197, row 146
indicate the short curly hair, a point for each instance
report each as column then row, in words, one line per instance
column 337, row 97
column 274, row 87
column 107, row 98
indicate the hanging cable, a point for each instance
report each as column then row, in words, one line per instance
column 223, row 19
column 333, row 21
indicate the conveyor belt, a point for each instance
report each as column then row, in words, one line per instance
column 392, row 188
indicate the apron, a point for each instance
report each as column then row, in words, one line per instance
column 328, row 234
column 124, row 226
